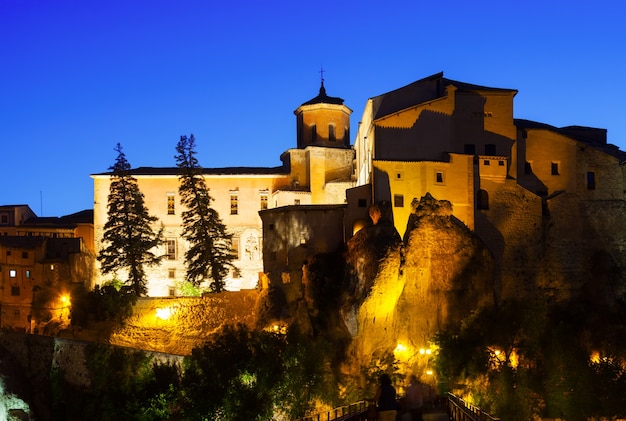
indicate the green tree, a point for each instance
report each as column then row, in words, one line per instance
column 128, row 233
column 209, row 255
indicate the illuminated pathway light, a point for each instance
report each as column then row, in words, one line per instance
column 164, row 313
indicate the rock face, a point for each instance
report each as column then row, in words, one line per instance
column 404, row 291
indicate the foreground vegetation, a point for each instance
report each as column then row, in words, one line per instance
column 240, row 374
column 522, row 360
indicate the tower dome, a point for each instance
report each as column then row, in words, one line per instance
column 323, row 121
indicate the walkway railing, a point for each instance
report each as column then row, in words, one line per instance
column 353, row 412
column 460, row 410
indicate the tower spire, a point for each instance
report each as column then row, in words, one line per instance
column 322, row 89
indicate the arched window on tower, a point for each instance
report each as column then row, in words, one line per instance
column 331, row 133
column 313, row 133
column 482, row 199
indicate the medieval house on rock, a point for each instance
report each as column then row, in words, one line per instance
column 506, row 179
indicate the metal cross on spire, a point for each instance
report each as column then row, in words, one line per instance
column 322, row 74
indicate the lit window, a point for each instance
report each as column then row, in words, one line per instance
column 171, row 249
column 398, row 201
column 234, row 205
column 12, row 273
column 264, row 197
column 171, row 204
column 28, row 274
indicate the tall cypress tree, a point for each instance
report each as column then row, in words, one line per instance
column 209, row 256
column 128, row 236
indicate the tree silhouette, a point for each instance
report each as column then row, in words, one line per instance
column 208, row 256
column 128, row 233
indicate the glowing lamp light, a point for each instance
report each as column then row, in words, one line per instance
column 429, row 372
column 400, row 348
column 65, row 299
column 164, row 313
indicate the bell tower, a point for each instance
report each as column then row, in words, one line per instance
column 323, row 121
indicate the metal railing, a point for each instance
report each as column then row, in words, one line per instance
column 351, row 412
column 460, row 410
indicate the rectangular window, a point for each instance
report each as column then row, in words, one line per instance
column 399, row 176
column 362, row 203
column 591, row 180
column 24, row 255
column 486, row 162
column 171, row 249
column 490, row 149
column 234, row 204
column 439, row 177
column 331, row 133
column 12, row 273
column 27, row 274
column 398, row 201
column 296, row 201
column 4, row 219
column 172, row 291
column 8, row 252
column 171, row 273
column 171, row 204
column 554, row 168
column 264, row 197
column 15, row 291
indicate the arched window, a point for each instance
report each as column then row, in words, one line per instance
column 482, row 199
column 331, row 133
column 313, row 133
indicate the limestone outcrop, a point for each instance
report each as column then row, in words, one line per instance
column 403, row 291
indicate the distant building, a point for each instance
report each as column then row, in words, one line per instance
column 42, row 260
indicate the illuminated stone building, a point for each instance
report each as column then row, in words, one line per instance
column 504, row 177
column 317, row 171
column 41, row 260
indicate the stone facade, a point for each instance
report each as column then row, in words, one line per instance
column 318, row 171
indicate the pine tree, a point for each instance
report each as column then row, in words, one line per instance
column 209, row 255
column 128, row 234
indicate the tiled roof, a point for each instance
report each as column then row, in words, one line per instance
column 591, row 136
column 322, row 98
column 423, row 90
